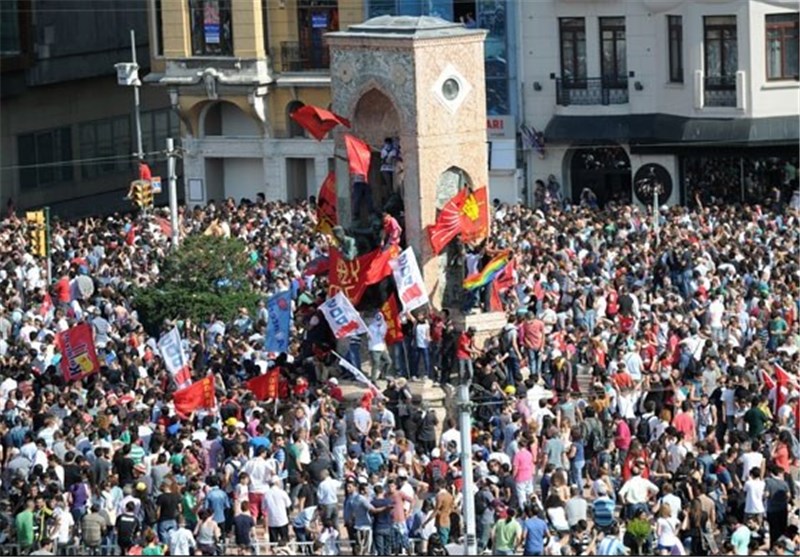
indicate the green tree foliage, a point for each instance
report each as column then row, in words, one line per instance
column 206, row 275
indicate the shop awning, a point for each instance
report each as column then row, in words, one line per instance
column 668, row 131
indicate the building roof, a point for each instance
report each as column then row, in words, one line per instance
column 652, row 130
column 422, row 27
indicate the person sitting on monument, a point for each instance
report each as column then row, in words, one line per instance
column 389, row 155
column 347, row 244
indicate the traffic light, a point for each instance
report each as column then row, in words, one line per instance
column 142, row 193
column 37, row 233
column 147, row 194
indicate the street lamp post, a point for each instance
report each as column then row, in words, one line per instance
column 128, row 75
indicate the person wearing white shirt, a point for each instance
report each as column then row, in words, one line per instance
column 452, row 435
column 181, row 540
column 328, row 497
column 378, row 353
column 278, row 503
column 260, row 475
column 754, row 494
column 636, row 492
column 672, row 500
column 752, row 460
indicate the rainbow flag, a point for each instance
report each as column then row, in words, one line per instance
column 487, row 274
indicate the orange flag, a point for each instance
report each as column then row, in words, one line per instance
column 200, row 394
column 326, row 205
column 359, row 156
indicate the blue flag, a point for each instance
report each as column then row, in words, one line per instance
column 279, row 308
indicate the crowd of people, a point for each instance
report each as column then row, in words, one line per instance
column 640, row 399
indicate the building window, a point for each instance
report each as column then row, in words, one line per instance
column 294, row 129
column 10, row 40
column 45, row 157
column 573, row 48
column 105, row 146
column 157, row 126
column 314, row 19
column 782, row 46
column 159, row 29
column 614, row 66
column 212, row 28
column 721, row 50
column 675, row 33
column 265, row 25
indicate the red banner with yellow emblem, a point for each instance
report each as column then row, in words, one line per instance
column 353, row 277
column 391, row 315
column 475, row 216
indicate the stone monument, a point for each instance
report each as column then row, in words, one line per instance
column 419, row 80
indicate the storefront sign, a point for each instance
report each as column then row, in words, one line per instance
column 501, row 127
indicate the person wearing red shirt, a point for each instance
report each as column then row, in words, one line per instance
column 532, row 335
column 62, row 290
column 391, row 231
column 622, row 437
column 684, row 422
column 465, row 351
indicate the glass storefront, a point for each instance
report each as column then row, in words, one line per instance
column 740, row 178
column 484, row 14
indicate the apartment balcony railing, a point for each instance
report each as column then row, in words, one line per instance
column 720, row 90
column 304, row 56
column 591, row 91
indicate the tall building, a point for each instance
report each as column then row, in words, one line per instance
column 679, row 96
column 67, row 132
column 234, row 70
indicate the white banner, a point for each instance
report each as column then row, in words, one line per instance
column 342, row 317
column 359, row 375
column 171, row 349
column 410, row 286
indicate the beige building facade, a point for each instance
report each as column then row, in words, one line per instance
column 234, row 70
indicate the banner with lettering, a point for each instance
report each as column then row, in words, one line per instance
column 342, row 317
column 353, row 277
column 279, row 308
column 265, row 387
column 170, row 347
column 410, row 286
column 200, row 394
column 78, row 356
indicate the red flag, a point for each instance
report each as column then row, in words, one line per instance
column 130, row 237
column 78, row 356
column 47, row 304
column 475, row 216
column 265, row 387
column 391, row 314
column 165, row 226
column 326, row 205
column 505, row 279
column 448, row 223
column 200, row 394
column 495, row 302
column 768, row 382
column 318, row 266
column 353, row 277
column 317, row 121
column 782, row 379
column 359, row 156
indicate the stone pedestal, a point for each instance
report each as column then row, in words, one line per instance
column 486, row 325
column 421, row 391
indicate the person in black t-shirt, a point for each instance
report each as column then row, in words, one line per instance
column 128, row 527
column 169, row 507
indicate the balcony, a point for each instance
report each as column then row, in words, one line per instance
column 304, row 56
column 591, row 91
column 719, row 90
